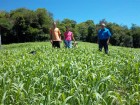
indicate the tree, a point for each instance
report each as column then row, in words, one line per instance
column 136, row 35
column 5, row 26
column 82, row 31
column 31, row 25
column 91, row 36
column 23, row 25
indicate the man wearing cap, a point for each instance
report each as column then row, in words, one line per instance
column 103, row 38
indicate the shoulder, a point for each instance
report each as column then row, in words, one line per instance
column 99, row 30
column 57, row 28
column 54, row 29
column 70, row 32
column 106, row 29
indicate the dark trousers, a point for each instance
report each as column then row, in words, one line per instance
column 103, row 43
column 56, row 44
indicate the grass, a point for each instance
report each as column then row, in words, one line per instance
column 77, row 76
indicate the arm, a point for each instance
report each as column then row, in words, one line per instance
column 50, row 35
column 108, row 40
column 109, row 34
column 97, row 37
column 59, row 33
column 73, row 38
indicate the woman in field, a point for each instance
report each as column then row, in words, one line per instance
column 68, row 37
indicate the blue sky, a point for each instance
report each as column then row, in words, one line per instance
column 122, row 12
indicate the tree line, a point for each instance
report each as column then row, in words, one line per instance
column 24, row 25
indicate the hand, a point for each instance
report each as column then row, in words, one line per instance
column 108, row 42
column 51, row 41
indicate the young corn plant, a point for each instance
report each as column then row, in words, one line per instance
column 37, row 74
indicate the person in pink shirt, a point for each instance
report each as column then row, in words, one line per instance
column 68, row 37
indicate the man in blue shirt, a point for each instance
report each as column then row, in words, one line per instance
column 103, row 38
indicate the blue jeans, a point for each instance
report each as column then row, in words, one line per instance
column 68, row 43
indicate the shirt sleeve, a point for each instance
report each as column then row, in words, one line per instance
column 98, row 33
column 109, row 33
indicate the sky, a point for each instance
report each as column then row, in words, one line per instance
column 122, row 12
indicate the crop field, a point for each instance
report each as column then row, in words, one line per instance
column 37, row 74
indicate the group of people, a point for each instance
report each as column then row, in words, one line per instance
column 55, row 34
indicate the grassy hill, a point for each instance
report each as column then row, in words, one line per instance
column 36, row 74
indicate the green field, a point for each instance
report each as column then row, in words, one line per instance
column 77, row 76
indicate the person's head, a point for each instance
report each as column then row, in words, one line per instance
column 102, row 25
column 54, row 24
column 67, row 28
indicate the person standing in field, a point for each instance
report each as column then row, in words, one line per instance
column 68, row 37
column 103, row 38
column 55, row 36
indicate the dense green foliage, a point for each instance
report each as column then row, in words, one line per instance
column 23, row 25
column 77, row 76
